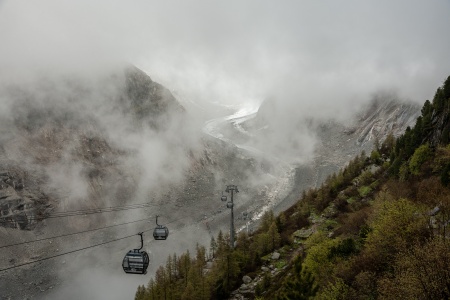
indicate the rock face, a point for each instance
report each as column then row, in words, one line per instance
column 56, row 123
column 376, row 120
column 338, row 143
column 383, row 117
column 148, row 99
column 21, row 206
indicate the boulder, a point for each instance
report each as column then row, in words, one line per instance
column 303, row 233
column 4, row 173
column 246, row 279
column 275, row 256
column 434, row 211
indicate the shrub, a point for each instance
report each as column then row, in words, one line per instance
column 419, row 157
column 375, row 156
column 364, row 191
column 352, row 223
column 344, row 249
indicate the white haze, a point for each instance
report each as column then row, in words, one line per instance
column 322, row 59
column 324, row 55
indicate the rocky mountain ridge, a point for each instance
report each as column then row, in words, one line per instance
column 384, row 117
column 40, row 133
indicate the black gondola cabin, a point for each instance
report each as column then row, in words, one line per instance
column 136, row 261
column 160, row 232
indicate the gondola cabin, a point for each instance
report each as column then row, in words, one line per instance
column 160, row 232
column 136, row 262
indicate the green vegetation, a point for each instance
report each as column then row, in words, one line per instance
column 300, row 285
column 364, row 191
column 361, row 235
column 420, row 156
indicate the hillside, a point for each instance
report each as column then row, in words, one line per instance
column 376, row 229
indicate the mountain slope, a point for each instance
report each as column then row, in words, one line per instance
column 371, row 231
column 378, row 236
column 337, row 143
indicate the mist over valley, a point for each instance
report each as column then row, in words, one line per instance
column 114, row 113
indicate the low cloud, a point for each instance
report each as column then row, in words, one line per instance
column 321, row 60
column 328, row 53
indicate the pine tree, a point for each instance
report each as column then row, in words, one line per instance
column 140, row 293
column 212, row 247
column 266, row 220
column 281, row 220
column 200, row 255
column 151, row 288
column 300, row 286
column 274, row 237
column 221, row 243
column 170, row 277
column 188, row 293
column 184, row 263
column 161, row 282
column 387, row 145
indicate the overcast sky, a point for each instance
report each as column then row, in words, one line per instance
column 325, row 55
column 319, row 58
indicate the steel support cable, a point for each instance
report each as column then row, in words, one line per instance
column 85, row 231
column 68, row 252
column 99, row 210
column 69, row 234
column 92, row 246
column 44, row 218
column 85, row 212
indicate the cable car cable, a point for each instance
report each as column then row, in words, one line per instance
column 69, row 234
column 85, row 231
column 100, row 210
column 84, row 248
column 65, row 253
column 86, row 212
